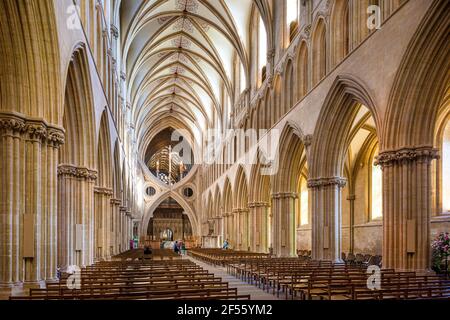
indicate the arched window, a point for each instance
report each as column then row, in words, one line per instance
column 376, row 189
column 446, row 169
column 243, row 82
column 262, row 47
column 292, row 18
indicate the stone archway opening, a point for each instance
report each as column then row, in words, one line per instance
column 169, row 223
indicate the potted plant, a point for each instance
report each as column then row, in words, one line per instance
column 441, row 252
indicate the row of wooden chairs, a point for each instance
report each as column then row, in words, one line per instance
column 220, row 257
column 139, row 254
column 306, row 279
column 125, row 278
column 362, row 259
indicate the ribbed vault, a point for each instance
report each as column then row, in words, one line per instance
column 178, row 56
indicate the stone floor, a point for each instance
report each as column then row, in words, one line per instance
column 243, row 287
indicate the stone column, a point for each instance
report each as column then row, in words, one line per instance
column 326, row 195
column 241, row 229
column 235, row 235
column 102, row 222
column 245, row 229
column 123, row 231
column 115, row 228
column 407, row 207
column 351, row 198
column 76, row 215
column 55, row 139
column 28, row 157
column 226, row 226
column 259, row 224
column 284, row 224
column 129, row 228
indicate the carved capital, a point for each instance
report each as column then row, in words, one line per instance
column 285, row 195
column 116, row 202
column 392, row 157
column 12, row 125
column 55, row 136
column 123, row 76
column 36, row 131
column 325, row 182
column 114, row 32
column 240, row 210
column 253, row 205
column 307, row 31
column 307, row 140
column 103, row 191
column 77, row 172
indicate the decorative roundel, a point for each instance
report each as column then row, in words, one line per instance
column 150, row 191
column 188, row 192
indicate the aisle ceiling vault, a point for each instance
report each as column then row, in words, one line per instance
column 178, row 55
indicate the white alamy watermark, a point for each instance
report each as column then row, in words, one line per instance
column 374, row 280
column 246, row 147
column 73, row 20
column 374, row 20
column 74, row 280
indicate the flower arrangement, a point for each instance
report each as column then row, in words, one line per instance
column 441, row 252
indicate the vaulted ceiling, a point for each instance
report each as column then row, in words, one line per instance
column 178, row 55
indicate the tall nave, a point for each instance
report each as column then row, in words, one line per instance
column 224, row 149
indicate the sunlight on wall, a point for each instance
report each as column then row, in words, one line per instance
column 446, row 169
column 304, row 219
column 377, row 192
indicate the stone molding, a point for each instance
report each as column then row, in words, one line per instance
column 103, row 191
column 114, row 32
column 285, row 195
column 253, row 205
column 123, row 209
column 326, row 182
column 240, row 210
column 402, row 155
column 35, row 129
column 68, row 170
column 116, row 202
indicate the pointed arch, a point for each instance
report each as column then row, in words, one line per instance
column 302, row 70
column 289, row 87
column 241, row 189
column 181, row 201
column 29, row 50
column 340, row 31
column 319, row 51
column 421, row 83
column 104, row 156
column 78, row 119
column 292, row 158
column 330, row 142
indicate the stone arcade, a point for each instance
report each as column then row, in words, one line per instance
column 91, row 115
